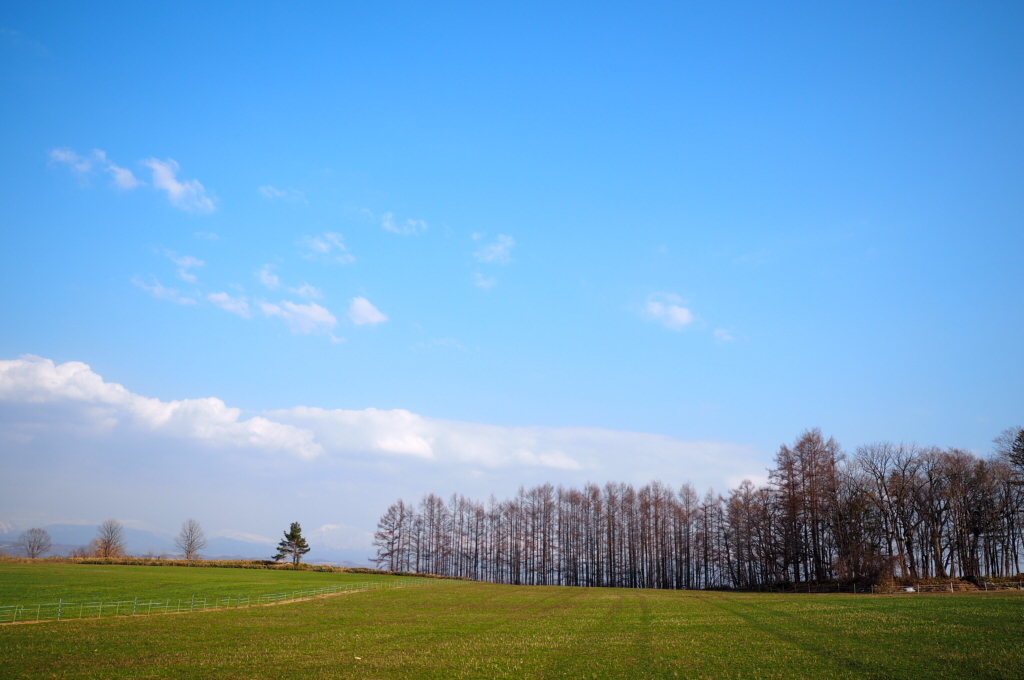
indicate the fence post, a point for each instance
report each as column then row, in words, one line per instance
column 192, row 606
column 60, row 607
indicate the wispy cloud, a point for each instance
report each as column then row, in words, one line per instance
column 185, row 263
column 667, row 309
column 307, row 291
column 268, row 278
column 161, row 292
column 362, row 313
column 499, row 252
column 79, row 164
column 236, row 305
column 438, row 342
column 272, row 281
column 408, row 227
column 123, row 177
column 83, row 165
column 329, row 246
column 289, row 194
column 723, row 335
column 301, row 319
column 756, row 258
column 187, row 195
column 17, row 40
column 481, row 281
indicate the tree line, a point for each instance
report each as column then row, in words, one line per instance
column 111, row 541
column 887, row 511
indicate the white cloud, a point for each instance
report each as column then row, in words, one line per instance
column 188, row 195
column 307, row 432
column 329, row 246
column 667, row 309
column 723, row 335
column 307, row 291
column 185, row 263
column 410, row 227
column 272, row 281
column 268, row 278
column 123, row 177
column 75, row 448
column 481, row 281
column 245, row 536
column 162, row 292
column 71, row 159
column 39, row 381
column 499, row 252
column 307, row 318
column 289, row 194
column 341, row 536
column 362, row 313
column 584, row 453
column 438, row 342
column 236, row 305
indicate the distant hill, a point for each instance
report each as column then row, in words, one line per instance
column 67, row 537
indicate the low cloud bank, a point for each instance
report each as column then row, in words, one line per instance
column 76, row 448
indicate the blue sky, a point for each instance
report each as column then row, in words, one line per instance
column 716, row 225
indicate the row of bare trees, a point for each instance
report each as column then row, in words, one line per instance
column 887, row 511
column 111, row 541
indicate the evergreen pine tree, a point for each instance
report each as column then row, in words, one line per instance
column 292, row 545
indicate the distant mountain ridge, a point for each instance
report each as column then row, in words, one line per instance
column 67, row 537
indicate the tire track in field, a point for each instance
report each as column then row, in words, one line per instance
column 627, row 638
column 563, row 663
column 840, row 659
column 497, row 618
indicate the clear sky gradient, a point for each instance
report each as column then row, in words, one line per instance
column 710, row 224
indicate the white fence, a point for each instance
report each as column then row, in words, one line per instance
column 62, row 611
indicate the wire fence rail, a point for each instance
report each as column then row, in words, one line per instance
column 63, row 611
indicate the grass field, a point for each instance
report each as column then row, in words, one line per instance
column 30, row 584
column 471, row 630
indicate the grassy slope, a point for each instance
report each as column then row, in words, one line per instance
column 29, row 584
column 449, row 630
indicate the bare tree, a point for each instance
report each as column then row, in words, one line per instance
column 1010, row 445
column 35, row 542
column 110, row 540
column 84, row 551
column 191, row 539
column 891, row 511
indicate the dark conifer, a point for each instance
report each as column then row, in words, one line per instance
column 293, row 545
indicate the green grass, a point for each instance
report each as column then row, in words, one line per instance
column 30, row 584
column 471, row 630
